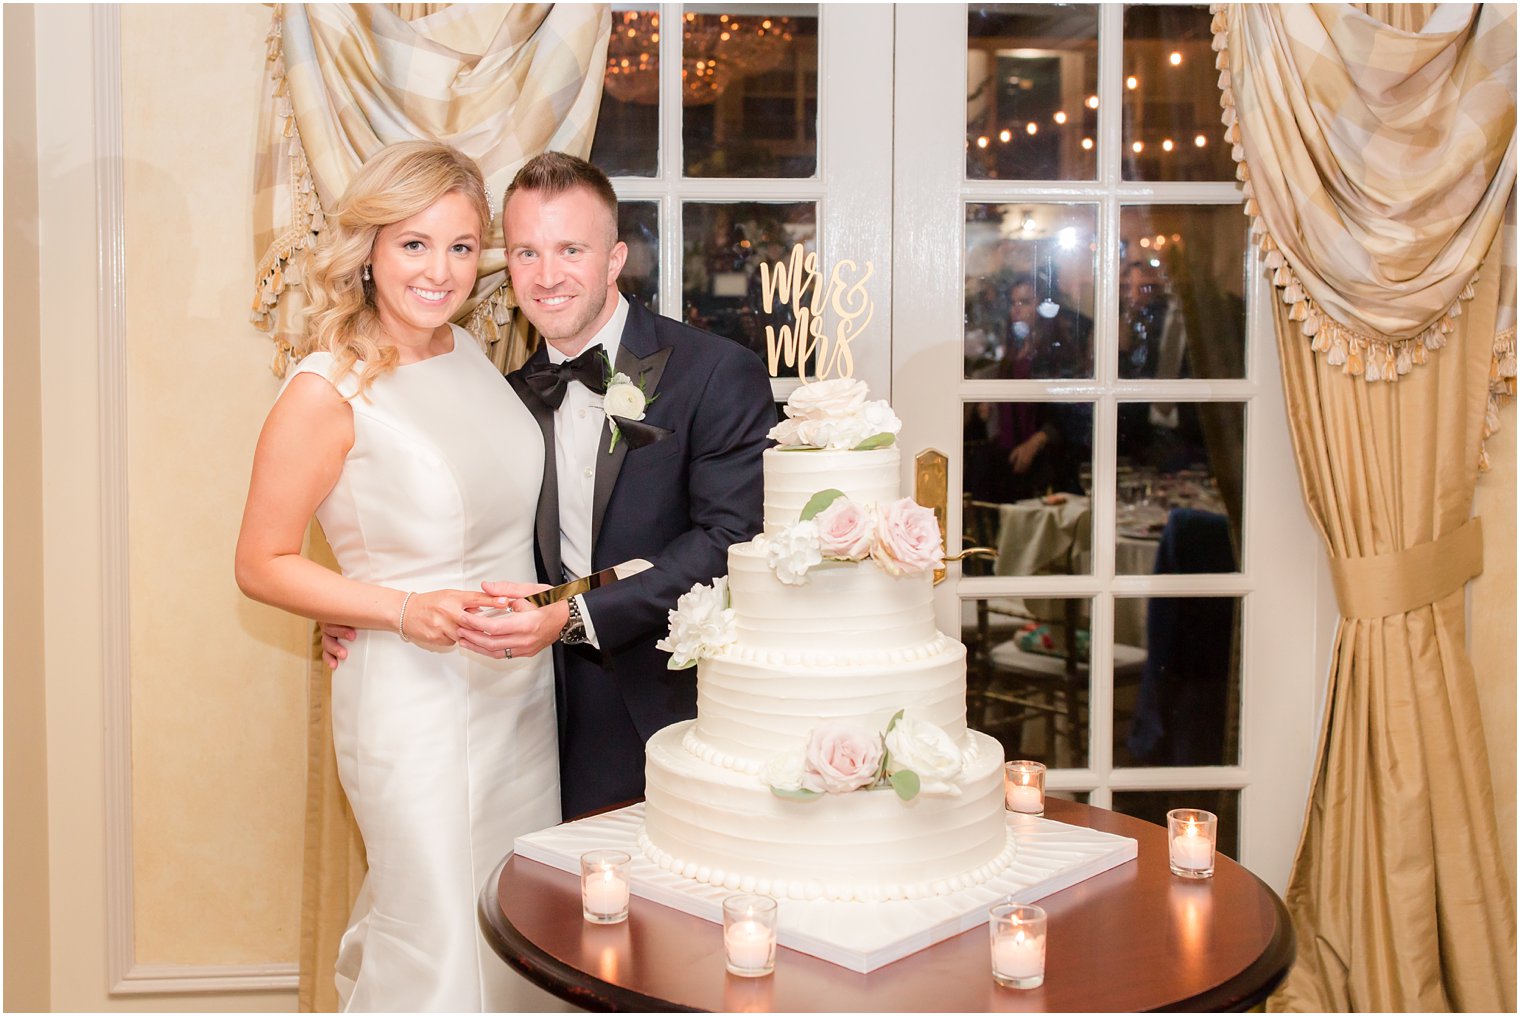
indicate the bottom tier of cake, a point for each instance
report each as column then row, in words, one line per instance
column 726, row 828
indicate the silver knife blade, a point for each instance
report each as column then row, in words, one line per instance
column 586, row 583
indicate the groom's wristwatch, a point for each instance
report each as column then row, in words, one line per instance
column 574, row 632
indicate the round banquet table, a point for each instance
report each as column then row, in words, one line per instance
column 1134, row 938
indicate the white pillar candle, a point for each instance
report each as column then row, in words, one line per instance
column 1024, row 799
column 1019, row 956
column 748, row 945
column 606, row 892
column 1192, row 850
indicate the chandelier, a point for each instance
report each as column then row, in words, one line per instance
column 716, row 50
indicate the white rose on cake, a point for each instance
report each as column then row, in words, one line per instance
column 879, row 418
column 833, row 399
column 926, row 750
column 784, row 771
column 792, row 550
column 907, row 540
column 701, row 625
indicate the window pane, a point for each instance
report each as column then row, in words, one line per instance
column 1182, row 308
column 639, row 228
column 750, row 91
column 724, row 245
column 1179, row 486
column 1177, row 681
column 1152, row 806
column 1031, row 92
column 1171, row 96
column 1027, row 466
column 1027, row 676
column 1030, row 284
column 627, row 141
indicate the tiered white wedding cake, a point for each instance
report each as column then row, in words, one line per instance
column 830, row 756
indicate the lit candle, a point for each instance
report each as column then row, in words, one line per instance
column 1192, row 850
column 1019, row 956
column 749, row 945
column 606, row 892
column 1025, row 799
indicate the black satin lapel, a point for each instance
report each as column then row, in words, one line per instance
column 546, row 529
column 647, row 369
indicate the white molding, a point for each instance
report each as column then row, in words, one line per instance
column 126, row 975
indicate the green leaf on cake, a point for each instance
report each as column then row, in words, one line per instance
column 819, row 501
column 905, row 782
column 893, row 721
column 797, row 795
column 878, row 441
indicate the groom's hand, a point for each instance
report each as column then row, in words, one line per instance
column 525, row 630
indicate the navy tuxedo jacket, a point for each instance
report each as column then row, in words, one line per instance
column 679, row 502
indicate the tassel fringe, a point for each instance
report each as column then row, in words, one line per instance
column 1361, row 354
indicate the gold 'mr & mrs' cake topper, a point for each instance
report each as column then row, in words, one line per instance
column 797, row 284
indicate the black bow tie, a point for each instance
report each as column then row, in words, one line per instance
column 549, row 380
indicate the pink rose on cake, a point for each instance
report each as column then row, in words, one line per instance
column 841, row 758
column 907, row 540
column 844, row 530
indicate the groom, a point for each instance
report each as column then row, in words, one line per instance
column 676, row 488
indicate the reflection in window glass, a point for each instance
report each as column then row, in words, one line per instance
column 1180, row 467
column 1027, row 676
column 1031, row 92
column 1152, row 806
column 1171, row 96
column 639, row 228
column 1030, row 284
column 1027, row 468
column 723, row 246
column 750, row 91
column 1182, row 309
column 1177, row 680
column 627, row 141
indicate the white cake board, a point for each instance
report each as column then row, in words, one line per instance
column 1051, row 856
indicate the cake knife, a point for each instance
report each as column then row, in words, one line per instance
column 586, row 583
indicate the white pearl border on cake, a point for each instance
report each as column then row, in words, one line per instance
column 798, row 889
column 855, row 659
column 699, row 748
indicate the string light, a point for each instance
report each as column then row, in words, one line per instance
column 1200, row 140
column 1031, row 128
column 1060, row 117
column 1132, row 82
column 1145, row 241
column 1005, row 135
column 981, row 142
column 1087, row 144
column 1166, row 146
column 1137, row 147
column 1175, row 58
column 1092, row 102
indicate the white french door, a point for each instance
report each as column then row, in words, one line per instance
column 925, row 139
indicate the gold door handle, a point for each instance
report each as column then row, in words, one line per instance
column 973, row 552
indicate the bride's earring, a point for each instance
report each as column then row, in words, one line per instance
column 366, row 273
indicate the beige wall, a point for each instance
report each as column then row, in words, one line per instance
column 218, row 682
column 26, row 862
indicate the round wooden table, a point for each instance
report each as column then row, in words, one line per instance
column 1134, row 938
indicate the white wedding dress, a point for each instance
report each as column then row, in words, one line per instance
column 446, row 756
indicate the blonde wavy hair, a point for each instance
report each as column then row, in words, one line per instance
column 397, row 183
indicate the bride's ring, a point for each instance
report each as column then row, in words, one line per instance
column 508, row 656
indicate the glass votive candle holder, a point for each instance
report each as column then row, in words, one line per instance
column 604, row 886
column 1191, row 833
column 1018, row 944
column 1024, row 787
column 749, row 934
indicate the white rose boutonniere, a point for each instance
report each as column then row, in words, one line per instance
column 701, row 625
column 623, row 400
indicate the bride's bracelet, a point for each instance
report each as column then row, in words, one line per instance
column 401, row 621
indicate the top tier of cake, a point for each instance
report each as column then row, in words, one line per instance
column 792, row 477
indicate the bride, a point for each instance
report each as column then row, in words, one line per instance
column 424, row 470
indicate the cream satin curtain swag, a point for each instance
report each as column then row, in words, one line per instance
column 500, row 82
column 1378, row 163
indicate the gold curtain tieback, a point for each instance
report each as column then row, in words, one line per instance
column 1387, row 584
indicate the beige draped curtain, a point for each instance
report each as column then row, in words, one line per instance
column 1378, row 163
column 501, row 82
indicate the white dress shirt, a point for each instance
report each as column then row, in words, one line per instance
column 579, row 441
